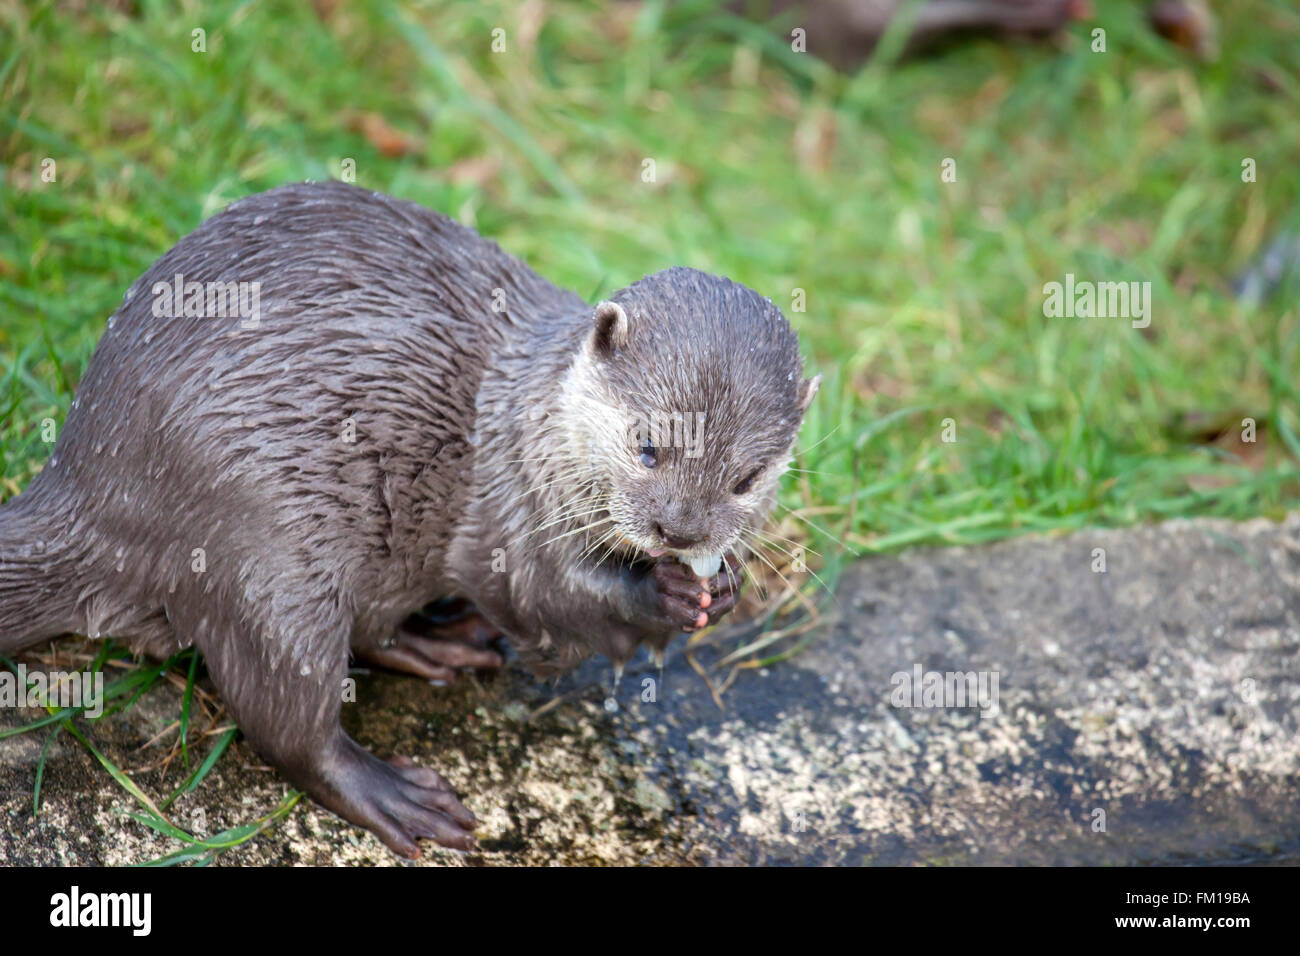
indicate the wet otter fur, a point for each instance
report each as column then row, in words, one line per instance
column 413, row 414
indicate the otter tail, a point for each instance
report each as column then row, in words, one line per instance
column 37, row 579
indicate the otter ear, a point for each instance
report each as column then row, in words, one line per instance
column 610, row 330
column 807, row 391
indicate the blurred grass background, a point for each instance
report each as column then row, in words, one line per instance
column 924, row 298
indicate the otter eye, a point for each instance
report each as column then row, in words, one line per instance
column 747, row 482
column 648, row 457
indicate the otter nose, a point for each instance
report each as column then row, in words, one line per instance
column 675, row 539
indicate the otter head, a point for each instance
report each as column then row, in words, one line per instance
column 684, row 402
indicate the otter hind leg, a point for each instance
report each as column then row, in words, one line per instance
column 289, row 712
column 434, row 648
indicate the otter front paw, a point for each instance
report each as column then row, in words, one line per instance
column 690, row 602
column 396, row 800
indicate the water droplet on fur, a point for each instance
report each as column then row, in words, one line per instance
column 99, row 447
column 305, row 671
column 112, row 320
column 258, row 220
column 38, row 547
column 611, row 705
column 54, row 462
column 790, row 377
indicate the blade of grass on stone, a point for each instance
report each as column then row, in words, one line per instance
column 226, row 840
column 40, row 770
column 195, row 778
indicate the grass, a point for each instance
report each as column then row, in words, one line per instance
column 924, row 298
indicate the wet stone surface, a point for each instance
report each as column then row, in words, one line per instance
column 1161, row 697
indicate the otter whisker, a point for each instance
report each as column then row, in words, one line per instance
column 570, row 504
column 744, row 567
column 570, row 475
column 767, row 541
column 825, row 587
column 816, row 527
column 551, row 457
column 578, row 497
column 613, row 543
column 731, row 577
column 794, row 591
column 804, row 451
column 564, row 519
column 609, row 535
column 569, row 534
column 576, row 475
column 585, row 529
column 792, row 541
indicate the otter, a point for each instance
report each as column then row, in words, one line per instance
column 392, row 411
